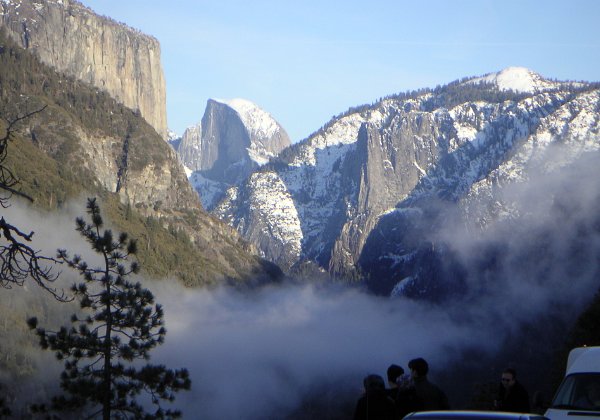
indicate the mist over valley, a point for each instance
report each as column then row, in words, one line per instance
column 458, row 223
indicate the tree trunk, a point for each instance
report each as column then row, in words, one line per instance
column 106, row 406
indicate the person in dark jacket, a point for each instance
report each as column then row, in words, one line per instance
column 374, row 404
column 430, row 395
column 402, row 392
column 512, row 396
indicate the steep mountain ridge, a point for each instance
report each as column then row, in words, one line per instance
column 330, row 191
column 234, row 138
column 540, row 135
column 84, row 141
column 97, row 50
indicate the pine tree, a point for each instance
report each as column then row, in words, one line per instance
column 123, row 324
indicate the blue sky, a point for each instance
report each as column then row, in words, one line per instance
column 305, row 61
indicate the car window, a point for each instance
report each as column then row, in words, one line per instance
column 579, row 391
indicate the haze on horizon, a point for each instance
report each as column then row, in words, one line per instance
column 305, row 62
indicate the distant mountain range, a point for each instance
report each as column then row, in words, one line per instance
column 355, row 197
column 439, row 194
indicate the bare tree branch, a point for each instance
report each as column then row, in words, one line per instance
column 7, row 179
column 18, row 260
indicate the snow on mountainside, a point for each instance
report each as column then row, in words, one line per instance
column 518, row 79
column 542, row 135
column 234, row 138
column 574, row 126
column 172, row 136
column 259, row 123
column 261, row 127
column 447, row 143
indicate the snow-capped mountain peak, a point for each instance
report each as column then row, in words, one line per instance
column 455, row 143
column 252, row 116
column 234, row 138
column 171, row 135
column 518, row 79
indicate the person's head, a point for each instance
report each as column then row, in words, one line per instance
column 393, row 373
column 418, row 368
column 373, row 383
column 509, row 377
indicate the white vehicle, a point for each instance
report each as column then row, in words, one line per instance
column 578, row 396
column 471, row 415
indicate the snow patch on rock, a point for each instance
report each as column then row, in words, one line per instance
column 253, row 117
column 271, row 199
column 518, row 79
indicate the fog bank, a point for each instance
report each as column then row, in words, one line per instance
column 249, row 354
column 258, row 354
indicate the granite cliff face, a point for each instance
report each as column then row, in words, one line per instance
column 328, row 197
column 84, row 141
column 113, row 57
column 234, row 138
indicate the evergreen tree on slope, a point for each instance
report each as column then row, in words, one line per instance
column 122, row 326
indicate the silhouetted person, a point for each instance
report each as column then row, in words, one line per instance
column 512, row 396
column 430, row 395
column 374, row 404
column 402, row 391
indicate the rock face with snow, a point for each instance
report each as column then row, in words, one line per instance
column 81, row 142
column 234, row 138
column 362, row 191
column 94, row 49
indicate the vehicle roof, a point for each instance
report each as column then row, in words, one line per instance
column 584, row 359
column 468, row 414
